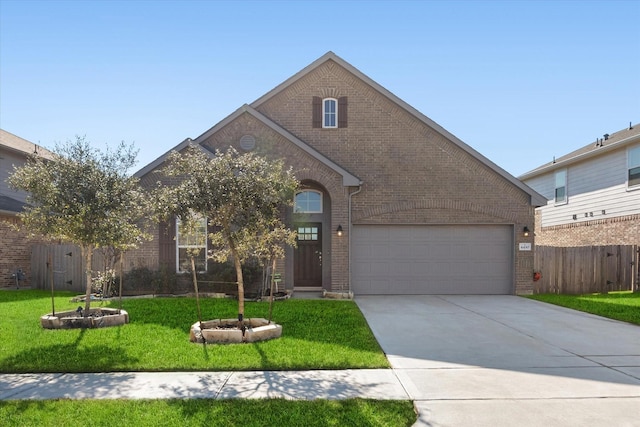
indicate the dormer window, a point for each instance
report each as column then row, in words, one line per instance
column 329, row 113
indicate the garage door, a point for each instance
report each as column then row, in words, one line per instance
column 395, row 259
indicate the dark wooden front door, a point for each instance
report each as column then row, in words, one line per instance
column 308, row 255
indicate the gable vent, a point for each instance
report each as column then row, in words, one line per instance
column 248, row 142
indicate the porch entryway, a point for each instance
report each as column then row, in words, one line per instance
column 307, row 270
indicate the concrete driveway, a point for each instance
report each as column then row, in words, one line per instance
column 506, row 361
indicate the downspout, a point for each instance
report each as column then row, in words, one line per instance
column 350, row 228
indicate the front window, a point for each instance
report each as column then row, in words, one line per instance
column 308, row 201
column 633, row 161
column 330, row 113
column 561, row 187
column 191, row 241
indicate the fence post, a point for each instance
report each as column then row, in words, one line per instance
column 636, row 288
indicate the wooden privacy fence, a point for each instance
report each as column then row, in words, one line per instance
column 68, row 267
column 586, row 269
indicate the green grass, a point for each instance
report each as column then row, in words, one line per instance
column 206, row 412
column 624, row 306
column 317, row 334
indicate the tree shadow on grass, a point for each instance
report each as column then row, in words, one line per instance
column 322, row 321
column 208, row 412
column 285, row 412
column 57, row 357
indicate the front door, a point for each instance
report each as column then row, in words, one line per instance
column 307, row 270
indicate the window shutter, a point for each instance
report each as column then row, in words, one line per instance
column 316, row 108
column 167, row 242
column 342, row 112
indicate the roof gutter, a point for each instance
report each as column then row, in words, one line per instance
column 350, row 228
column 579, row 158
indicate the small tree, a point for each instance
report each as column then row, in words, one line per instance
column 269, row 248
column 241, row 195
column 85, row 197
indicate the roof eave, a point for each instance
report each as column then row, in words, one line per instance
column 535, row 197
column 579, row 158
column 348, row 179
column 157, row 162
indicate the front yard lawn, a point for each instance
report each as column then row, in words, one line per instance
column 207, row 412
column 624, row 306
column 317, row 334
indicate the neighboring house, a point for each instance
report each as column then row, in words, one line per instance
column 390, row 202
column 593, row 193
column 15, row 246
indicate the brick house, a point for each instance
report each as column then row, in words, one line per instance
column 593, row 193
column 390, row 202
column 15, row 245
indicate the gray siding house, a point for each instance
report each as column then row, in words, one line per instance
column 593, row 193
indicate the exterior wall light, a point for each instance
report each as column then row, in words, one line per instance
column 525, row 231
column 339, row 231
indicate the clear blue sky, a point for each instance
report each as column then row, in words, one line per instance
column 519, row 81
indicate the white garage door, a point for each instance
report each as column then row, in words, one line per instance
column 396, row 259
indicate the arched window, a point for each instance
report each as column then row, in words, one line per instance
column 308, row 201
column 329, row 113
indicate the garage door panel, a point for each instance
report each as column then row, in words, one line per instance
column 392, row 259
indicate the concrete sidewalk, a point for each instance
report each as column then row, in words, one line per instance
column 301, row 385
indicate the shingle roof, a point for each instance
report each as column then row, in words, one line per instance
column 7, row 204
column 615, row 140
column 21, row 145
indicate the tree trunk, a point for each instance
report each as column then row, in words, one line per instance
column 238, row 265
column 273, row 272
column 236, row 262
column 87, row 251
column 195, row 287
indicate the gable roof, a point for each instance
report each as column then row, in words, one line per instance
column 600, row 147
column 22, row 146
column 348, row 179
column 535, row 198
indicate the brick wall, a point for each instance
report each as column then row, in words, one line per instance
column 412, row 174
column 15, row 251
column 146, row 255
column 624, row 230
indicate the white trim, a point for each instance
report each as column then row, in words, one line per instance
column 629, row 166
column 564, row 201
column 179, row 246
column 319, row 193
column 325, row 113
